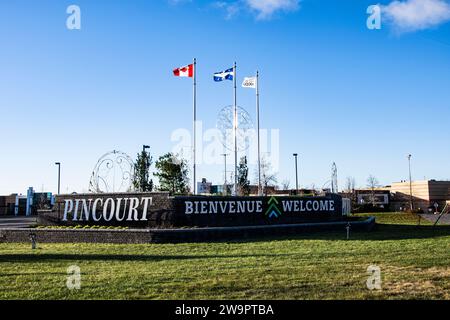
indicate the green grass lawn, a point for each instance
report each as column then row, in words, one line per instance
column 414, row 262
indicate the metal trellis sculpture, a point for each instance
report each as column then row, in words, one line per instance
column 114, row 172
column 225, row 123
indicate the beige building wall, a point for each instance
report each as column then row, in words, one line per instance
column 425, row 193
column 420, row 189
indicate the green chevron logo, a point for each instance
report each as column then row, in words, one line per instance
column 273, row 211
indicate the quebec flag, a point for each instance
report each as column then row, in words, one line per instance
column 224, row 75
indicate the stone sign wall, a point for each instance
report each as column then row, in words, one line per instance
column 116, row 209
column 159, row 210
column 232, row 211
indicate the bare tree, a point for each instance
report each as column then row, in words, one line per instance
column 314, row 189
column 285, row 185
column 350, row 184
column 268, row 177
column 372, row 183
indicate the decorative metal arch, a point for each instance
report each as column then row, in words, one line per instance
column 225, row 123
column 114, row 172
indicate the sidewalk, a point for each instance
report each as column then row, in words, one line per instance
column 445, row 219
column 17, row 222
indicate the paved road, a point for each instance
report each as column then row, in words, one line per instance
column 17, row 222
column 445, row 219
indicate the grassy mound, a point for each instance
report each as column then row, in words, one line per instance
column 414, row 262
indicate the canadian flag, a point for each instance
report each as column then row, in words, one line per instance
column 187, row 71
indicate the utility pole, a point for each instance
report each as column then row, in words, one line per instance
column 59, row 176
column 59, row 186
column 411, row 205
column 296, row 174
column 225, row 174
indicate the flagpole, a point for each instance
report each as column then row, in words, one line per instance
column 259, row 143
column 194, row 124
column 235, row 133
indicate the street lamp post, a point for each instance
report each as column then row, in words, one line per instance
column 225, row 173
column 411, row 205
column 59, row 185
column 296, row 173
column 59, row 176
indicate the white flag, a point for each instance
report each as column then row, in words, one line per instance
column 249, row 82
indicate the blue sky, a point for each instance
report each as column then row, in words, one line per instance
column 336, row 90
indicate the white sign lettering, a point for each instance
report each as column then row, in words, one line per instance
column 255, row 206
column 221, row 207
column 109, row 209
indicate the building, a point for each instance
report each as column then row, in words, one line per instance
column 427, row 195
column 220, row 189
column 8, row 205
column 369, row 200
column 204, row 187
column 378, row 197
column 25, row 205
column 300, row 192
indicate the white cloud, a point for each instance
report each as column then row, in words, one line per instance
column 231, row 9
column 413, row 15
column 177, row 2
column 266, row 8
